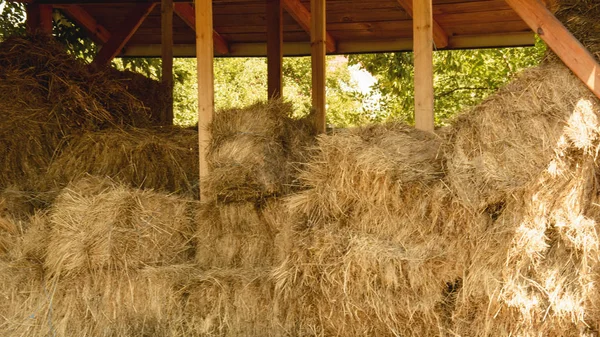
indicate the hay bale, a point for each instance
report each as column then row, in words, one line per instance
column 509, row 140
column 367, row 167
column 97, row 225
column 252, row 152
column 229, row 302
column 534, row 270
column 163, row 159
column 581, row 19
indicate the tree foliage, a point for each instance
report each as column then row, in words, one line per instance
column 462, row 78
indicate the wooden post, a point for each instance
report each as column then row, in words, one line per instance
column 423, row 54
column 274, row 48
column 204, row 55
column 317, row 42
column 39, row 18
column 560, row 40
column 167, row 59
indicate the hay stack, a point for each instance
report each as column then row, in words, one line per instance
column 535, row 269
column 229, row 302
column 98, row 225
column 164, row 159
column 47, row 95
column 509, row 140
column 253, row 150
column 371, row 253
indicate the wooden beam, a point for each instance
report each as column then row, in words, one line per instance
column 204, row 56
column 119, row 38
column 560, row 40
column 297, row 10
column 97, row 32
column 39, row 18
column 423, row 54
column 440, row 38
column 317, row 42
column 274, row 48
column 166, row 13
column 186, row 13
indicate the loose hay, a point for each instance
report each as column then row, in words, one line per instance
column 99, row 225
column 47, row 95
column 253, row 151
column 164, row 159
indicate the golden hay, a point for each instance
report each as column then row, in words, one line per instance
column 508, row 140
column 367, row 167
column 47, row 95
column 97, row 225
column 253, row 150
column 534, row 270
column 229, row 302
column 164, row 159
column 233, row 235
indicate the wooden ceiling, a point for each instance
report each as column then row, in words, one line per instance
column 356, row 26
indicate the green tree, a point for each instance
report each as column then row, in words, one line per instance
column 462, row 78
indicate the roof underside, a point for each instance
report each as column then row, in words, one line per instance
column 358, row 26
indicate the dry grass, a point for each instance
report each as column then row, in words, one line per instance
column 99, row 225
column 508, row 140
column 164, row 159
column 47, row 95
column 253, row 151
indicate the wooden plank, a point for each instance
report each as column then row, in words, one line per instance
column 186, row 13
column 440, row 37
column 274, row 49
column 343, row 47
column 318, row 45
column 561, row 41
column 96, row 31
column 423, row 54
column 120, row 37
column 39, row 18
column 304, row 18
column 46, row 19
column 166, row 10
column 204, row 56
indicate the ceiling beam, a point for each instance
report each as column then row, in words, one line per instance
column 297, row 10
column 97, row 32
column 187, row 13
column 560, row 40
column 119, row 38
column 440, row 38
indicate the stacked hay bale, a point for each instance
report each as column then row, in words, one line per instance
column 110, row 264
column 47, row 95
column 370, row 254
column 253, row 157
column 163, row 159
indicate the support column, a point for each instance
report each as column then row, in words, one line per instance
column 423, row 54
column 167, row 59
column 318, row 45
column 274, row 48
column 204, row 55
column 39, row 18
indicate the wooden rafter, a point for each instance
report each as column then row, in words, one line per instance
column 297, row 10
column 97, row 32
column 119, row 38
column 186, row 13
column 39, row 18
column 440, row 38
column 560, row 40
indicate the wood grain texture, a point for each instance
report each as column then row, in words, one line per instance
column 423, row 54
